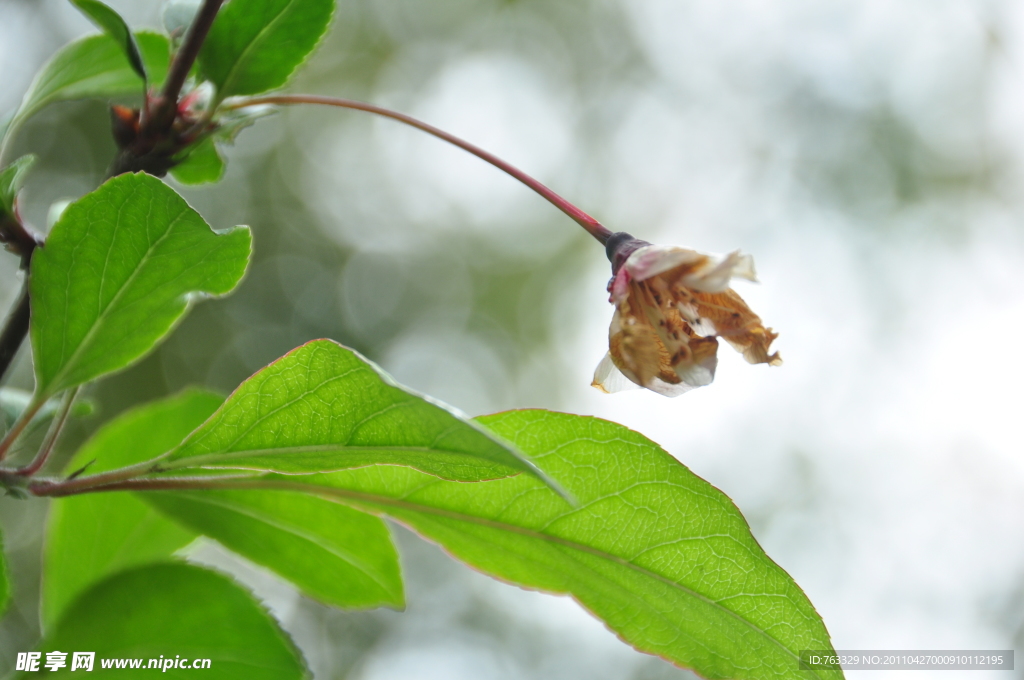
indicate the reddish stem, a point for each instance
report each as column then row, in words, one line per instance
column 593, row 227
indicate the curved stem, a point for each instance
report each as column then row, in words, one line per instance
column 52, row 435
column 593, row 227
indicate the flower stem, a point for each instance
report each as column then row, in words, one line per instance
column 593, row 227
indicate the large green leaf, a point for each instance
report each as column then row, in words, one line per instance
column 322, row 407
column 333, row 553
column 91, row 536
column 95, row 66
column 113, row 25
column 118, row 271
column 5, row 584
column 664, row 558
column 255, row 45
column 170, row 611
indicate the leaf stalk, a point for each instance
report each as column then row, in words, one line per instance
column 52, row 435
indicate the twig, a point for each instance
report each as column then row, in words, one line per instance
column 166, row 107
column 14, row 331
column 593, row 227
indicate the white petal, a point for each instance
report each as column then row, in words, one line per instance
column 668, row 389
column 715, row 276
column 698, row 375
column 608, row 378
column 744, row 267
column 711, row 275
column 643, row 263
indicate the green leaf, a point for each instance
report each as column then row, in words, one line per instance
column 203, row 165
column 323, row 407
column 91, row 536
column 167, row 610
column 111, row 23
column 332, row 553
column 5, row 583
column 256, row 45
column 119, row 269
column 94, row 67
column 11, row 180
column 661, row 556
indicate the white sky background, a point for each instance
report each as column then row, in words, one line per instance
column 882, row 466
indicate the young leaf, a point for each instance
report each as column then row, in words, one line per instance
column 256, row 45
column 11, row 179
column 322, row 407
column 332, row 553
column 91, row 536
column 117, row 272
column 94, row 67
column 203, row 165
column 661, row 556
column 5, row 584
column 111, row 23
column 175, row 611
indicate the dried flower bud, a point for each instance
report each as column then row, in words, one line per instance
column 671, row 306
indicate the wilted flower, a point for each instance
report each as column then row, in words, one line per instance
column 671, row 306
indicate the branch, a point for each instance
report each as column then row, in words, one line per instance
column 166, row 107
column 593, row 227
column 14, row 330
column 21, row 241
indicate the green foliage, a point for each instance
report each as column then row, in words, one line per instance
column 332, row 553
column 255, row 45
column 11, row 179
column 664, row 558
column 295, row 470
column 119, row 269
column 5, row 583
column 322, row 407
column 203, row 165
column 169, row 609
column 91, row 536
column 111, row 23
column 94, row 67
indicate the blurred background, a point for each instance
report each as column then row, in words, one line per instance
column 869, row 154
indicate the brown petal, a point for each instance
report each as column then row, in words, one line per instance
column 739, row 326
